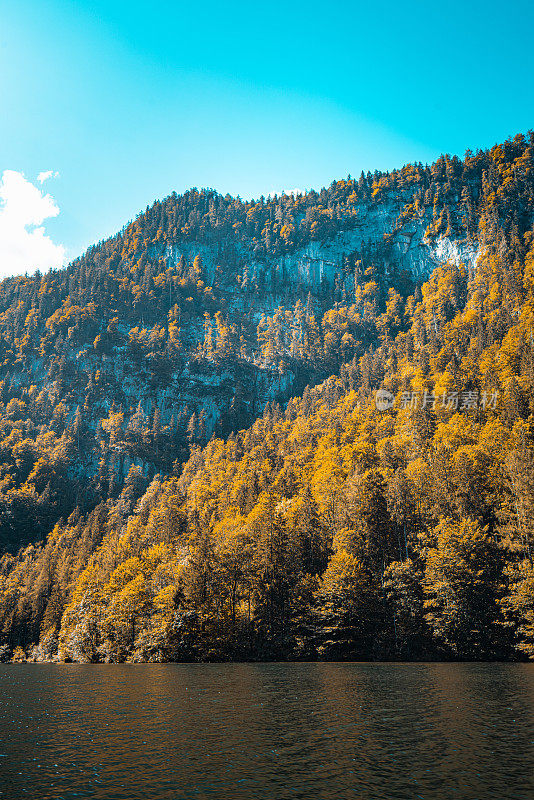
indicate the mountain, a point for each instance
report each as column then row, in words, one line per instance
column 333, row 526
column 195, row 316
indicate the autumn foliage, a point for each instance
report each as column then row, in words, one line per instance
column 327, row 528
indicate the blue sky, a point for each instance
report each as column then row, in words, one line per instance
column 128, row 101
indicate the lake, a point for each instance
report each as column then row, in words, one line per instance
column 327, row 731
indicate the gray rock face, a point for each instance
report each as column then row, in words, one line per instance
column 398, row 247
column 408, row 249
column 247, row 287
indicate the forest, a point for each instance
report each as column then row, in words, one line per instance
column 301, row 517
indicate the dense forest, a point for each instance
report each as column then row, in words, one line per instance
column 359, row 483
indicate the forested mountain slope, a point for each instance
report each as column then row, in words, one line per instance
column 329, row 528
column 201, row 311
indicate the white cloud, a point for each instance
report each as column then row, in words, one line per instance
column 49, row 173
column 24, row 246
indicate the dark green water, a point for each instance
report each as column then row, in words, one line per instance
column 240, row 731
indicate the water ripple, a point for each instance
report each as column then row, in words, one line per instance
column 267, row 731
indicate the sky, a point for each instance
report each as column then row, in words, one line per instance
column 107, row 105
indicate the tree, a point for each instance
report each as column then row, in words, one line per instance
column 404, row 593
column 347, row 609
column 462, row 579
column 518, row 606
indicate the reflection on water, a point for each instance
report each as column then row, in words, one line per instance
column 267, row 731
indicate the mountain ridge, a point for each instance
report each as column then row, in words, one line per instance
column 185, row 327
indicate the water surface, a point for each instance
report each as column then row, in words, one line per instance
column 267, row 731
